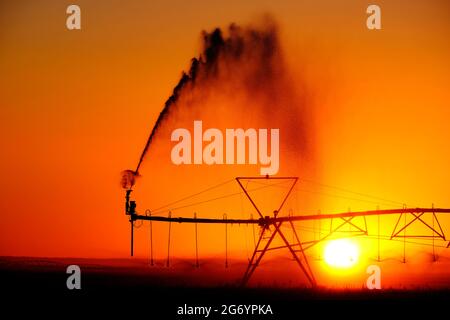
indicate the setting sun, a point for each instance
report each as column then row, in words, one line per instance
column 341, row 253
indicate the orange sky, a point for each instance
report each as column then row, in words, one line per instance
column 77, row 106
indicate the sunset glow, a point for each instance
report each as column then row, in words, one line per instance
column 241, row 89
column 341, row 253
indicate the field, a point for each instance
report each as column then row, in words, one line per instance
column 132, row 285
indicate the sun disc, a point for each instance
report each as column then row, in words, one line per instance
column 341, row 253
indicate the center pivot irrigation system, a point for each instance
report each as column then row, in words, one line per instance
column 270, row 226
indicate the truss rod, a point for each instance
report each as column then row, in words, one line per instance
column 271, row 220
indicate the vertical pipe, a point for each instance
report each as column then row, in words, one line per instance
column 293, row 235
column 196, row 242
column 404, row 242
column 320, row 226
column 151, row 240
column 226, row 240
column 253, row 227
column 434, row 253
column 349, row 225
column 319, row 234
column 168, row 242
column 132, row 234
column 378, row 208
